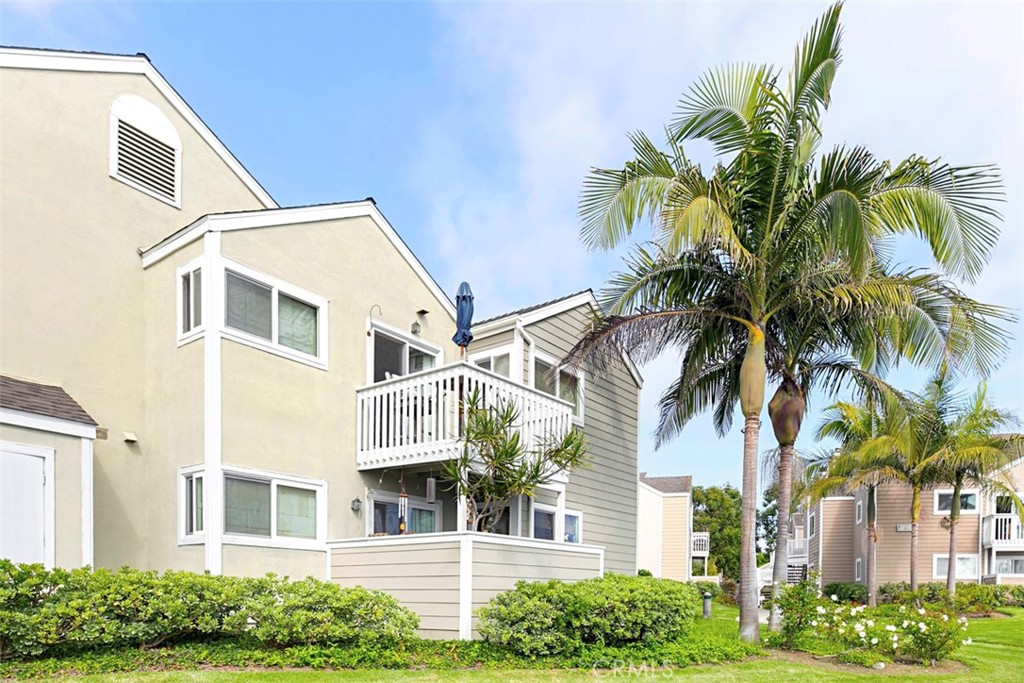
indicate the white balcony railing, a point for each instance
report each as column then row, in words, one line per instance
column 1003, row 530
column 419, row 418
column 797, row 550
column 701, row 543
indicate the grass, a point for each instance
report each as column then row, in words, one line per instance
column 995, row 656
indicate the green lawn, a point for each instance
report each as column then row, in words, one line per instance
column 996, row 656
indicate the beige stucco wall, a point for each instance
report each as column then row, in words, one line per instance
column 70, row 266
column 67, row 474
column 649, row 530
column 675, row 537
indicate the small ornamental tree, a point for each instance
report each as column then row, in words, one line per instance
column 496, row 464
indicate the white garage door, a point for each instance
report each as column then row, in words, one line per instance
column 23, row 500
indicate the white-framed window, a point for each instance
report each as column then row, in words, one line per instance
column 812, row 525
column 190, row 301
column 145, row 149
column 423, row 517
column 1010, row 565
column 966, row 566
column 260, row 508
column 267, row 313
column 944, row 502
column 573, row 526
column 859, row 514
column 542, row 524
column 858, row 565
column 393, row 353
column 496, row 361
column 560, row 381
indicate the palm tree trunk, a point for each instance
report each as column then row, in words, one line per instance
column 750, row 625
column 915, row 518
column 954, row 517
column 872, row 575
column 780, row 571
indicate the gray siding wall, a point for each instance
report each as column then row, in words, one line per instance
column 424, row 578
column 482, row 344
column 605, row 491
column 497, row 567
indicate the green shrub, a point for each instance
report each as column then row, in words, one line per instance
column 1010, row 596
column 536, row 619
column 707, row 587
column 644, row 572
column 862, row 658
column 798, row 603
column 970, row 598
column 847, row 591
column 317, row 612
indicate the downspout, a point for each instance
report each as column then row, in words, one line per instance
column 528, row 375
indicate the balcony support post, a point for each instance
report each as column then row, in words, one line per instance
column 463, row 513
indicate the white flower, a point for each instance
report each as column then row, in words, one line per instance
column 906, row 623
column 814, row 623
column 945, row 617
column 835, row 598
column 921, row 611
column 871, row 622
column 821, row 610
column 890, row 627
column 903, row 608
column 895, row 645
column 922, row 627
column 968, row 641
column 874, row 641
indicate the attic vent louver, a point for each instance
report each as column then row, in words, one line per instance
column 145, row 160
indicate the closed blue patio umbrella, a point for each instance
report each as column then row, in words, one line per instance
column 463, row 317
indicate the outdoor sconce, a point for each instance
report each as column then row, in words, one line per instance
column 357, row 504
column 415, row 329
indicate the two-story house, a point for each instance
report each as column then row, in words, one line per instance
column 990, row 535
column 667, row 546
column 199, row 379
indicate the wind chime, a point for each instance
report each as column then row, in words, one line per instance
column 403, row 505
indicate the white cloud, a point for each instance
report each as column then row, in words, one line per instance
column 544, row 91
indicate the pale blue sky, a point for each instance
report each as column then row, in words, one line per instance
column 473, row 124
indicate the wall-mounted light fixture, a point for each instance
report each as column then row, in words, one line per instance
column 415, row 329
column 357, row 504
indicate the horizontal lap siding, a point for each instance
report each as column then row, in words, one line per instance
column 424, row 578
column 497, row 568
column 481, row 344
column 605, row 490
column 837, row 529
column 893, row 556
column 675, row 536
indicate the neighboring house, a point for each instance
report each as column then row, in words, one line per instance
column 990, row 536
column 666, row 542
column 211, row 382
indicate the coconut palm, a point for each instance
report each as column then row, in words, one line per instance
column 973, row 451
column 766, row 230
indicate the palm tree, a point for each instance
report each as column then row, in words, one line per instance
column 767, row 230
column 852, row 425
column 972, row 451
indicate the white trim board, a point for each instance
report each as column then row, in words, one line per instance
column 276, row 217
column 20, row 58
column 18, row 418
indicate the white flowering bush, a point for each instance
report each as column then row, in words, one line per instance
column 899, row 632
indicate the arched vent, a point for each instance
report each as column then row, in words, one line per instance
column 146, row 160
column 145, row 149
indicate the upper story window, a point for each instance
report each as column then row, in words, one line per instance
column 563, row 383
column 145, row 149
column 497, row 363
column 190, row 300
column 395, row 355
column 859, row 513
column 812, row 525
column 284, row 318
column 944, row 502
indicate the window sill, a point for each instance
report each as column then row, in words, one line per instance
column 281, row 543
column 270, row 347
column 192, row 336
column 192, row 539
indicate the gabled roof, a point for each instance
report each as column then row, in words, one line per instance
column 531, row 309
column 265, row 218
column 41, row 399
column 682, row 484
column 96, row 62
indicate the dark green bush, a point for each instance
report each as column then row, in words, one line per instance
column 847, row 591
column 536, row 619
column 312, row 612
column 644, row 572
column 970, row 598
column 53, row 612
column 707, row 587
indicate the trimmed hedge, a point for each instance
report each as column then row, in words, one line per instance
column 552, row 618
column 970, row 598
column 57, row 612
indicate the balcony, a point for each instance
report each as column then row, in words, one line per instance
column 797, row 550
column 1003, row 531
column 419, row 419
column 701, row 544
